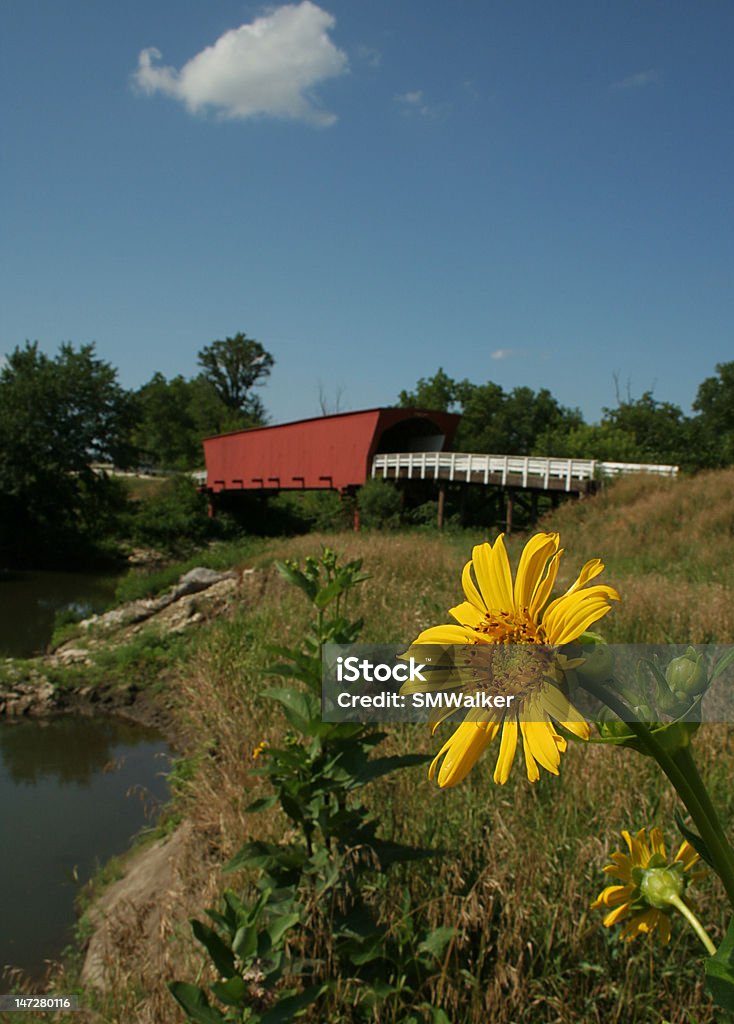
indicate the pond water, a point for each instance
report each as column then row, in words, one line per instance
column 73, row 791
column 30, row 600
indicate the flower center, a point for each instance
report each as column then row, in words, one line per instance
column 509, row 628
column 509, row 668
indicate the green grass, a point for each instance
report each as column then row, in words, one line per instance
column 223, row 555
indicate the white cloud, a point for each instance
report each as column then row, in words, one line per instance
column 638, row 80
column 413, row 103
column 265, row 68
column 502, row 353
column 410, row 99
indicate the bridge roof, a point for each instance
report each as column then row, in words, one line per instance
column 321, row 452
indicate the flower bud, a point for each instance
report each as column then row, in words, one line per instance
column 687, row 676
column 598, row 663
column 661, row 887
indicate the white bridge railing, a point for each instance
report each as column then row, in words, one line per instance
column 531, row 471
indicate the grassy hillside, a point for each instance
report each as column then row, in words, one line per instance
column 518, row 865
column 669, row 548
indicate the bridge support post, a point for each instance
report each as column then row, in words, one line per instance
column 508, row 513
column 441, row 503
column 350, row 503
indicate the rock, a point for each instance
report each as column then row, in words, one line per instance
column 16, row 707
column 199, row 579
column 145, row 556
column 71, row 655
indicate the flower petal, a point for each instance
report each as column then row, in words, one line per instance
column 589, row 572
column 470, row 589
column 533, row 561
column 492, row 570
column 545, row 586
column 461, row 752
column 467, row 614
column 538, row 738
column 445, row 635
column 508, row 745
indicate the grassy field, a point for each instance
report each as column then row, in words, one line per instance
column 518, row 865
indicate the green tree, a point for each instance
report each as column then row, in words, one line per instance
column 165, row 429
column 438, row 392
column 660, row 430
column 173, row 416
column 602, row 441
column 235, row 366
column 57, row 417
column 713, row 427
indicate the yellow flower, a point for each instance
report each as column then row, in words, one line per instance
column 496, row 611
column 260, row 749
column 651, row 887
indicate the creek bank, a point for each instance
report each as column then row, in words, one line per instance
column 27, row 689
column 138, row 907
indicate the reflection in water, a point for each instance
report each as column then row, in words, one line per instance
column 70, row 793
column 61, row 750
column 29, row 601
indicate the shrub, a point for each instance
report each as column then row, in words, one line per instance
column 379, row 505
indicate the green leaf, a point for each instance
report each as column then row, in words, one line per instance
column 264, row 803
column 298, row 579
column 301, row 709
column 232, row 992
column 220, row 953
column 438, row 1016
column 379, row 766
column 327, row 594
column 722, row 665
column 437, row 940
column 266, row 856
column 720, row 971
column 694, row 839
column 394, row 853
column 245, row 941
column 293, row 1006
column 194, row 1003
column 278, row 928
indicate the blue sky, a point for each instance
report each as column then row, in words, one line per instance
column 537, row 194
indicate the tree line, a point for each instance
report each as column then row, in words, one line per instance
column 527, row 422
column 59, row 415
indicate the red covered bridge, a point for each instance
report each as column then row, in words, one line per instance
column 328, row 452
column 341, row 452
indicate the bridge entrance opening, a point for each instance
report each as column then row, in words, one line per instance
column 412, row 435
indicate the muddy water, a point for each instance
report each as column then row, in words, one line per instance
column 73, row 791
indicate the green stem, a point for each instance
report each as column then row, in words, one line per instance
column 680, row 906
column 682, row 772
